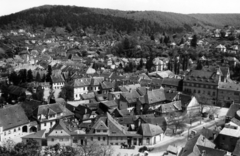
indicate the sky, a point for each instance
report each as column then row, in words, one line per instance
column 177, row 6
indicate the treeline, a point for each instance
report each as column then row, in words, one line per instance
column 75, row 18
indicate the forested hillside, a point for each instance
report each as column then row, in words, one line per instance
column 101, row 20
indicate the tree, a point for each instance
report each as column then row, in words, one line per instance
column 29, row 76
column 94, row 149
column 140, row 66
column 31, row 148
column 23, row 75
column 66, row 92
column 194, row 41
column 49, row 74
column 38, row 77
column 13, row 77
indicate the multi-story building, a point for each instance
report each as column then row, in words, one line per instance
column 228, row 92
column 81, row 86
column 202, row 83
column 47, row 115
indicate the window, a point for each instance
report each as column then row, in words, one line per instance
column 236, row 93
column 91, row 138
column 116, row 143
column 99, row 138
column 199, row 91
column 104, row 131
column 148, row 140
column 45, row 124
column 19, row 128
column 213, row 93
column 98, row 131
column 14, row 130
column 52, row 140
column 56, row 131
column 103, row 138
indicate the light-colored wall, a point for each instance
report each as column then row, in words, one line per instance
column 12, row 133
column 63, row 141
column 79, row 91
column 48, row 125
column 57, row 85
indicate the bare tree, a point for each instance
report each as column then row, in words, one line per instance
column 94, row 149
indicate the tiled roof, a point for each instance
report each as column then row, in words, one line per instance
column 150, row 130
column 131, row 97
column 54, row 108
column 12, row 116
column 200, row 75
column 88, row 96
column 142, row 91
column 83, row 82
column 229, row 86
column 57, row 78
column 232, row 110
column 97, row 80
column 171, row 107
column 171, row 82
column 59, row 126
column 107, row 85
column 37, row 135
column 211, row 151
column 155, row 96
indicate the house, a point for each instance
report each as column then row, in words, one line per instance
column 151, row 134
column 228, row 92
column 13, row 122
column 128, row 99
column 47, row 115
column 59, row 133
column 39, row 137
column 154, row 98
column 57, row 81
column 192, row 146
column 227, row 138
column 106, row 87
column 202, row 83
column 81, row 86
column 232, row 111
column 95, row 82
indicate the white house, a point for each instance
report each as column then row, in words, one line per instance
column 14, row 123
column 81, row 86
column 47, row 115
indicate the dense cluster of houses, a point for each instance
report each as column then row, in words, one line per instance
column 108, row 106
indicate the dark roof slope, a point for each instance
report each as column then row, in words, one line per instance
column 12, row 116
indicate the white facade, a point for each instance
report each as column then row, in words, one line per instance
column 14, row 133
column 58, row 85
column 79, row 91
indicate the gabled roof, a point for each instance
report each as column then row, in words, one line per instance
column 232, row 110
column 192, row 143
column 114, row 127
column 96, row 81
column 37, row 135
column 130, row 97
column 155, row 96
column 150, row 130
column 83, row 82
column 56, row 78
column 142, row 90
column 107, row 85
column 53, row 108
column 171, row 107
column 100, row 125
column 154, row 120
column 12, row 116
column 59, row 126
column 210, row 151
column 110, row 104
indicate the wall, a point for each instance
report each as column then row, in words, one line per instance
column 63, row 141
column 78, row 91
column 228, row 96
column 48, row 125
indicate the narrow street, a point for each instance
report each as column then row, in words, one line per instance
column 181, row 140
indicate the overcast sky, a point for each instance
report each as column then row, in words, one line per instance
column 178, row 6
